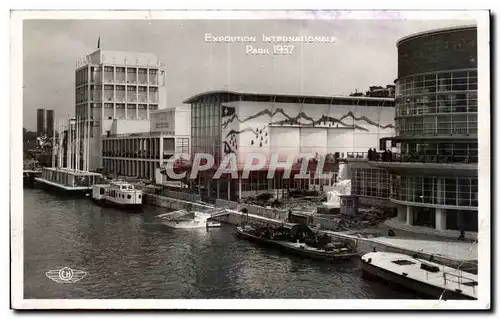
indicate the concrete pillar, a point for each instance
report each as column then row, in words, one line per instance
column 440, row 219
column 161, row 152
column 218, row 188
column 409, row 215
column 151, row 147
column 239, row 188
column 460, row 218
column 209, row 188
column 439, row 194
column 401, row 213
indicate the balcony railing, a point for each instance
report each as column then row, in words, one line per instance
column 415, row 158
column 425, row 158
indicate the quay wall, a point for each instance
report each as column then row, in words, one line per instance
column 272, row 213
column 268, row 216
column 235, row 218
column 257, row 215
column 174, row 203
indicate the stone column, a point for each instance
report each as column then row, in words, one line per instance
column 409, row 215
column 440, row 219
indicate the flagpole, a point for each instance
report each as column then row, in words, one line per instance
column 53, row 144
column 84, row 128
column 88, row 145
column 77, row 151
column 68, row 145
column 60, row 150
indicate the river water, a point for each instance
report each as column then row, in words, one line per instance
column 130, row 256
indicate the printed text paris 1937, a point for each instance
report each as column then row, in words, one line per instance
column 269, row 45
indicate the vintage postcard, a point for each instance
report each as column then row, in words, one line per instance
column 250, row 159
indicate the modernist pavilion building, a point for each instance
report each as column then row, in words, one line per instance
column 225, row 122
column 433, row 180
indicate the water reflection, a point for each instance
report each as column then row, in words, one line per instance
column 131, row 256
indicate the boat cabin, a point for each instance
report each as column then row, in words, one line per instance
column 71, row 178
column 122, row 185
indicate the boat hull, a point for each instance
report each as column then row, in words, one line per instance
column 29, row 178
column 128, row 207
column 318, row 255
column 62, row 191
column 371, row 271
column 190, row 225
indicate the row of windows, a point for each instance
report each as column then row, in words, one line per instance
column 119, row 106
column 122, row 98
column 438, row 152
column 437, row 125
column 112, row 193
column 371, row 182
column 438, row 51
column 205, row 126
column 122, row 69
column 81, row 77
column 454, row 191
column 437, row 103
column 222, row 98
column 440, row 148
column 182, row 145
column 437, row 82
column 130, row 168
column 202, row 111
column 108, row 76
column 132, row 88
column 119, row 98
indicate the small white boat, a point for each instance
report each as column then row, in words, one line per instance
column 119, row 194
column 425, row 277
column 186, row 219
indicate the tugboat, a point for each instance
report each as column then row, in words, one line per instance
column 119, row 194
column 290, row 238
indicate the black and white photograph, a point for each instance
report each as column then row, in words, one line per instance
column 319, row 159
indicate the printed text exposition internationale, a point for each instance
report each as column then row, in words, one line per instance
column 282, row 45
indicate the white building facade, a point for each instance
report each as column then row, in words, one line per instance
column 227, row 122
column 117, row 91
column 140, row 150
column 230, row 122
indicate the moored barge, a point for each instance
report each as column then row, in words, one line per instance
column 284, row 239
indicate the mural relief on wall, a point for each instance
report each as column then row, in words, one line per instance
column 250, row 131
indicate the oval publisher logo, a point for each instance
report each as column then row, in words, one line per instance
column 66, row 275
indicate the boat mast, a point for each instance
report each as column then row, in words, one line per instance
column 61, row 143
column 84, row 128
column 68, row 146
column 77, row 145
column 53, row 144
column 58, row 144
column 88, row 143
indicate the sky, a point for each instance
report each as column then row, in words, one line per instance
column 364, row 53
